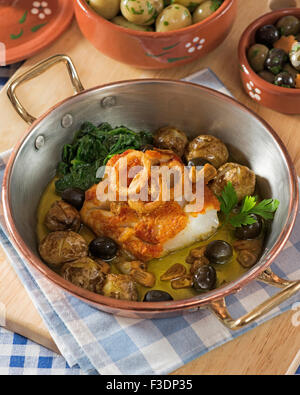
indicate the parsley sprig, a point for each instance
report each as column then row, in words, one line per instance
column 228, row 199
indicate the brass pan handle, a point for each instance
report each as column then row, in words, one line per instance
column 36, row 71
column 289, row 288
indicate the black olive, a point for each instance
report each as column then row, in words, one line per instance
column 276, row 60
column 218, row 251
column 267, row 35
column 197, row 162
column 146, row 147
column 103, row 247
column 205, row 278
column 285, row 80
column 74, row 196
column 156, row 295
column 267, row 76
column 252, row 231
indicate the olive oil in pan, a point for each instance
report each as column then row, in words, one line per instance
column 48, row 198
column 225, row 273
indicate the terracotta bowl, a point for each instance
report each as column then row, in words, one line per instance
column 284, row 100
column 153, row 50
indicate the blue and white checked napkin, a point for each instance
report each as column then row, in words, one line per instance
column 93, row 342
column 101, row 343
column 20, row 356
column 8, row 71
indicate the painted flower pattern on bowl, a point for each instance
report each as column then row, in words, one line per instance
column 195, row 45
column 254, row 93
column 41, row 9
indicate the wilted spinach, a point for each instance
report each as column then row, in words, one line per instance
column 91, row 148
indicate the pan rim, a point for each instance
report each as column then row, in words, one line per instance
column 142, row 307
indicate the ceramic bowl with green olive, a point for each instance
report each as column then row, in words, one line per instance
column 155, row 15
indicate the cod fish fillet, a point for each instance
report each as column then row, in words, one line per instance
column 150, row 232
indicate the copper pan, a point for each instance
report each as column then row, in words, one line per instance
column 149, row 104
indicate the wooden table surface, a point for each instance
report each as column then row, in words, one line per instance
column 267, row 349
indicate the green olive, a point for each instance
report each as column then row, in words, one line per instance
column 158, row 5
column 267, row 76
column 173, row 17
column 203, row 11
column 288, row 25
column 257, row 55
column 107, row 9
column 121, row 21
column 190, row 4
column 290, row 69
column 141, row 12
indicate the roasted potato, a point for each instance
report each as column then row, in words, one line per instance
column 208, row 147
column 242, row 178
column 120, row 286
column 172, row 139
column 257, row 55
column 62, row 246
column 84, row 273
column 62, row 216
